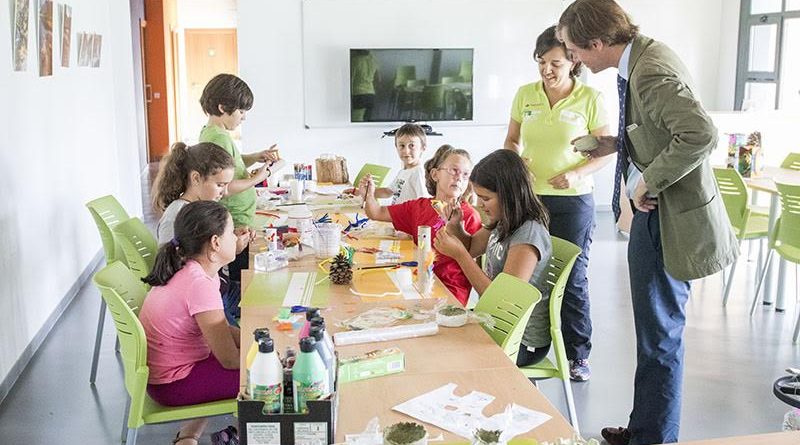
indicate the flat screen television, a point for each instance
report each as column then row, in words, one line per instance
column 391, row 85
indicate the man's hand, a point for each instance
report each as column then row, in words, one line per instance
column 607, row 145
column 641, row 201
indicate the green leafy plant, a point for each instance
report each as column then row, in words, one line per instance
column 452, row 311
column 404, row 433
column 487, row 436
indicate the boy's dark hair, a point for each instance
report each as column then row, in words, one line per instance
column 227, row 91
column 442, row 153
column 173, row 177
column 195, row 224
column 547, row 41
column 604, row 20
column 411, row 130
column 505, row 173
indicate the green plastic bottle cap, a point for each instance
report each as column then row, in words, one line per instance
column 307, row 344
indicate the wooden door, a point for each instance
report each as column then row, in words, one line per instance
column 208, row 52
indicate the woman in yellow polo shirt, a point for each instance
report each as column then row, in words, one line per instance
column 545, row 117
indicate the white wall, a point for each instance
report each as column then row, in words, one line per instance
column 271, row 61
column 68, row 138
column 207, row 13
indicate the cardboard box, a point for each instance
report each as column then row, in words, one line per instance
column 372, row 364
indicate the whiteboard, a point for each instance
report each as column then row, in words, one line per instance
column 501, row 32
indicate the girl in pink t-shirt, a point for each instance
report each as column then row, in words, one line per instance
column 192, row 352
column 447, row 180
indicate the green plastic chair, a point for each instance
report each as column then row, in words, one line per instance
column 413, row 83
column 432, row 101
column 558, row 270
column 509, row 301
column 403, row 74
column 792, row 161
column 107, row 212
column 124, row 293
column 138, row 245
column 378, row 173
column 748, row 223
column 446, row 80
column 785, row 238
column 465, row 72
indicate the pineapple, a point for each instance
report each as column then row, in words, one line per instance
column 341, row 271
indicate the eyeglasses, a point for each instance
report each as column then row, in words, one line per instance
column 456, row 172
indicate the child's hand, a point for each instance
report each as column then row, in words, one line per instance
column 244, row 235
column 366, row 187
column 268, row 155
column 262, row 173
column 447, row 244
column 451, row 212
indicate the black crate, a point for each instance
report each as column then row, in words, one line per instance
column 318, row 423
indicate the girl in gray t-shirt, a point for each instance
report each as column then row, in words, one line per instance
column 514, row 239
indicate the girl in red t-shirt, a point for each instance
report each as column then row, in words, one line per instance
column 447, row 180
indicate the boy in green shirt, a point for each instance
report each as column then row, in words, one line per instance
column 226, row 99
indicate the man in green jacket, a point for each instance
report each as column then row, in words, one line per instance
column 680, row 230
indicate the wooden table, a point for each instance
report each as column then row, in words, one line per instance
column 466, row 356
column 765, row 182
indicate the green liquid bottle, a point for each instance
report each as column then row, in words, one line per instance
column 310, row 378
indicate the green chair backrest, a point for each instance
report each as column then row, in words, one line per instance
column 403, row 74
column 734, row 196
column 378, row 173
column 558, row 269
column 107, row 212
column 138, row 245
column 432, row 97
column 466, row 71
column 786, row 238
column 124, row 294
column 509, row 301
column 792, row 161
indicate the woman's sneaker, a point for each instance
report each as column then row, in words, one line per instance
column 579, row 370
column 228, row 436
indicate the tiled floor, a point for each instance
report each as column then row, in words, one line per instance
column 731, row 361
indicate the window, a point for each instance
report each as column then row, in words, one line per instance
column 769, row 55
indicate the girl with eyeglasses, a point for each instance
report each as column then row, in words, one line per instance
column 447, row 180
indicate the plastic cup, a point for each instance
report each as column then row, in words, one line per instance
column 296, row 190
column 327, row 237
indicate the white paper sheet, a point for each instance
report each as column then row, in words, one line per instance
column 301, row 286
column 464, row 415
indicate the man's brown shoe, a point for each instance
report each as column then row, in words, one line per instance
column 616, row 436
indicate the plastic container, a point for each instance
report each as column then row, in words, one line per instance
column 451, row 316
column 309, row 377
column 301, row 220
column 266, row 377
column 425, row 258
column 319, row 321
column 327, row 238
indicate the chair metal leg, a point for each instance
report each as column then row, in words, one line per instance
column 116, row 346
column 761, row 279
column 125, row 430
column 729, row 284
column 98, row 339
column 132, row 433
column 796, row 330
column 573, row 414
